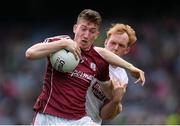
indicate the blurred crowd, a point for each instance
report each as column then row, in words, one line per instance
column 157, row 52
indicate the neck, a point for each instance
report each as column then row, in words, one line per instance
column 86, row 49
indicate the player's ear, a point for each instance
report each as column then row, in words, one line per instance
column 74, row 28
column 105, row 43
column 127, row 50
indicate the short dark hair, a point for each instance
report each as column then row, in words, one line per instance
column 90, row 15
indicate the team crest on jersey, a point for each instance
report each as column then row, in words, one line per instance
column 93, row 66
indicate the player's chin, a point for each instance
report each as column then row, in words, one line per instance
column 85, row 46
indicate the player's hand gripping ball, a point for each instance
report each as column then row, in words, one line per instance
column 63, row 61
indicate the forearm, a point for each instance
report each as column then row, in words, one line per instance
column 113, row 59
column 106, row 88
column 41, row 50
column 110, row 110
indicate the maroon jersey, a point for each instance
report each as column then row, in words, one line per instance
column 63, row 94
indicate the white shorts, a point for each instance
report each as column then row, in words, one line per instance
column 45, row 119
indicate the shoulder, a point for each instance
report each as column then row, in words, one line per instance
column 122, row 71
column 119, row 73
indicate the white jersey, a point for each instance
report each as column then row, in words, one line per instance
column 95, row 97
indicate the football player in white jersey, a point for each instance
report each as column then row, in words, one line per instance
column 104, row 101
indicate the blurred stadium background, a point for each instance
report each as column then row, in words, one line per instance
column 157, row 52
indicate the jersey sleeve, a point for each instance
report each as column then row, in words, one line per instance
column 125, row 79
column 119, row 74
column 55, row 38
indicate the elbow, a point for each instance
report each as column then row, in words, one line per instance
column 29, row 54
column 110, row 116
column 106, row 117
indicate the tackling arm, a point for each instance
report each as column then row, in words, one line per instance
column 115, row 91
column 113, row 59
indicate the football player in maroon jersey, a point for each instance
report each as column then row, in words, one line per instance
column 62, row 100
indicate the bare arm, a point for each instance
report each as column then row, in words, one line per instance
column 113, row 107
column 113, row 59
column 41, row 50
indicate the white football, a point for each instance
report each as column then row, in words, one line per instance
column 63, row 61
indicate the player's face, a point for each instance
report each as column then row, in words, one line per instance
column 85, row 34
column 118, row 44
